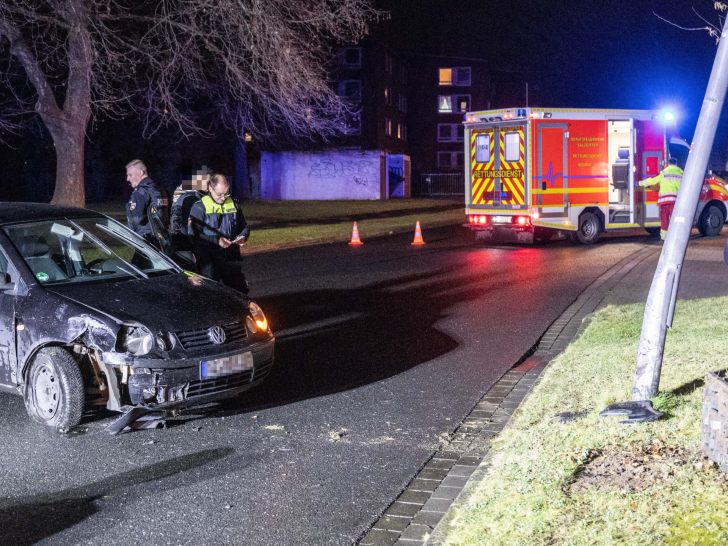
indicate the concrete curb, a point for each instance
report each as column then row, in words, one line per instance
column 425, row 511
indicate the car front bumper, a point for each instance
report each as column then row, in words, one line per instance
column 181, row 385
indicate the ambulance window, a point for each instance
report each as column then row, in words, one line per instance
column 482, row 148
column 513, row 147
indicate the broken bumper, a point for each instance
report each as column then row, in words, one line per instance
column 182, row 385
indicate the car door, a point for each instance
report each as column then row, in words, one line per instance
column 8, row 295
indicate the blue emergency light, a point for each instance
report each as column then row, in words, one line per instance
column 668, row 116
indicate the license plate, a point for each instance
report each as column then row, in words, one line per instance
column 502, row 219
column 226, row 365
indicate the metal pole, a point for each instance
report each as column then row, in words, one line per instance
column 663, row 292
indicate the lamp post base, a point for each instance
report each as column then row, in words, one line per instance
column 637, row 411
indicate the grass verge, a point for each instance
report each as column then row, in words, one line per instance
column 526, row 498
column 341, row 231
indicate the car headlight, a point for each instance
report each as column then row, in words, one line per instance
column 258, row 317
column 136, row 340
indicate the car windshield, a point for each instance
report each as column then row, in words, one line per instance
column 85, row 249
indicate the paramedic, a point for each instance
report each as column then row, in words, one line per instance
column 669, row 184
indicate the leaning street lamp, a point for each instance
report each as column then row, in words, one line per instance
column 660, row 306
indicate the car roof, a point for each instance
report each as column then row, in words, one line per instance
column 11, row 213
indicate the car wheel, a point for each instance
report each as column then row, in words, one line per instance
column 711, row 221
column 54, row 393
column 589, row 229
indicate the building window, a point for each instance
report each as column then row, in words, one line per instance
column 482, row 148
column 455, row 76
column 353, row 124
column 388, row 63
column 350, row 89
column 450, row 132
column 351, row 57
column 402, row 131
column 402, row 103
column 388, row 126
column 450, row 160
column 448, row 104
column 387, row 96
column 402, row 74
column 513, row 147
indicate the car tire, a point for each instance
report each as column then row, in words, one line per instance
column 711, row 221
column 54, row 392
column 589, row 229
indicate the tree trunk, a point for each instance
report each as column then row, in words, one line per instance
column 69, row 141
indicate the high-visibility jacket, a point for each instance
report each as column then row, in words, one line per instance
column 209, row 221
column 669, row 182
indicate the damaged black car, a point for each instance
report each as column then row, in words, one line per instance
column 93, row 316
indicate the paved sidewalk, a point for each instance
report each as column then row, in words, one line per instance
column 423, row 513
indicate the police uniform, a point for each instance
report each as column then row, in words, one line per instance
column 145, row 195
column 208, row 222
column 669, row 182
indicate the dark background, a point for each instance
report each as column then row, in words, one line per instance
column 600, row 54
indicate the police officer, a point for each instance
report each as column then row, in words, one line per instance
column 145, row 195
column 218, row 231
column 669, row 183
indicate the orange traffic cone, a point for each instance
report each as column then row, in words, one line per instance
column 418, row 235
column 355, row 236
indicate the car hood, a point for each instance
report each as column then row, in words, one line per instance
column 174, row 303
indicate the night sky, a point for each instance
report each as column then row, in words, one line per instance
column 600, row 54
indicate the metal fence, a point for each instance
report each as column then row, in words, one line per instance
column 439, row 184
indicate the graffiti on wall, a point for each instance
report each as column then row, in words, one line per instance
column 361, row 171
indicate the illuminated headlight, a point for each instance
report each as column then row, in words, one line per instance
column 261, row 323
column 136, row 340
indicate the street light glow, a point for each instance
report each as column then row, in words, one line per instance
column 668, row 116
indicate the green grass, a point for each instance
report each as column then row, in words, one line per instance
column 290, row 223
column 525, row 498
column 341, row 231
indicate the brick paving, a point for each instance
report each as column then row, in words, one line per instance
column 415, row 514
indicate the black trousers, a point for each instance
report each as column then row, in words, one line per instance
column 223, row 267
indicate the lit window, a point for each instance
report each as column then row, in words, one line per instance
column 482, row 148
column 446, row 76
column 248, row 137
column 444, row 104
column 388, row 126
column 455, row 76
column 513, row 147
column 463, row 103
column 399, row 130
column 387, row 96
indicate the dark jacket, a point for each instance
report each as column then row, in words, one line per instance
column 145, row 195
column 182, row 203
column 209, row 221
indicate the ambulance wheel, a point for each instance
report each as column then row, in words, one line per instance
column 653, row 231
column 711, row 221
column 589, row 229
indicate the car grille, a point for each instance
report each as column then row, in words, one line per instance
column 191, row 339
column 202, row 387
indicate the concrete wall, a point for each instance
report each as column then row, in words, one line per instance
column 333, row 174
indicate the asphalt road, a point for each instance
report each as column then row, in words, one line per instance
column 382, row 349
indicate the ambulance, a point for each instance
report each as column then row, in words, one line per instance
column 531, row 173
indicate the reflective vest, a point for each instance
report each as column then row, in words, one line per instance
column 669, row 181
column 221, row 218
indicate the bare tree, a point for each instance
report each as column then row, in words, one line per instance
column 255, row 66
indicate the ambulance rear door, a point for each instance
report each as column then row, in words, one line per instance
column 498, row 168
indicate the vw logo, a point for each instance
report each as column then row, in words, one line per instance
column 216, row 335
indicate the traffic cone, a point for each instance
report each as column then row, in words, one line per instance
column 418, row 235
column 355, row 236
